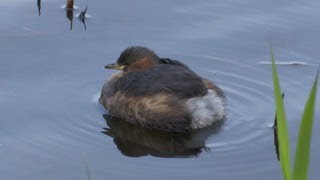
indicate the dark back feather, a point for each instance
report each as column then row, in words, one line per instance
column 172, row 62
column 162, row 78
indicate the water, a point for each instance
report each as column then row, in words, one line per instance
column 50, row 77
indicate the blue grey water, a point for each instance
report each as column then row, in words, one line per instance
column 52, row 126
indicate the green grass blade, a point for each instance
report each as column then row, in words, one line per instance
column 301, row 163
column 283, row 138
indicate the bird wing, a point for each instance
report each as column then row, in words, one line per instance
column 175, row 80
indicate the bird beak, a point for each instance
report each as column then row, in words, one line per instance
column 114, row 66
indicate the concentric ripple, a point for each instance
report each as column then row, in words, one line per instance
column 247, row 128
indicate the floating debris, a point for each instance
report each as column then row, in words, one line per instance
column 39, row 6
column 69, row 15
column 70, row 4
column 82, row 17
column 296, row 63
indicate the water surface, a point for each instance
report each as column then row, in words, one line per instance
column 50, row 79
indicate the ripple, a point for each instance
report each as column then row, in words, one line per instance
column 296, row 63
column 95, row 101
column 86, row 16
column 250, row 110
column 249, row 99
column 250, row 104
column 65, row 7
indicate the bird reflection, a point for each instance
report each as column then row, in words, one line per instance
column 39, row 6
column 135, row 141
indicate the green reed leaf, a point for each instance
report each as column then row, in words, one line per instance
column 301, row 163
column 284, row 146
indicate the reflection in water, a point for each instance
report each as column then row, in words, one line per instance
column 69, row 15
column 39, row 6
column 135, row 141
column 82, row 17
column 275, row 133
column 69, row 12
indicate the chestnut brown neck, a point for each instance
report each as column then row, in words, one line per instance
column 141, row 64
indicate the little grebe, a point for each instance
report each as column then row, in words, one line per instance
column 160, row 93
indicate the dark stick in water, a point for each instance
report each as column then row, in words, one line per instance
column 70, row 4
column 39, row 6
column 82, row 17
column 69, row 13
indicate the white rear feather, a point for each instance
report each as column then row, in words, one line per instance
column 206, row 109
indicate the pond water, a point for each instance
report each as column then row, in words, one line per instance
column 52, row 126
